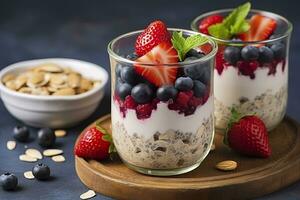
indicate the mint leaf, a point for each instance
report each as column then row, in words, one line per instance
column 233, row 24
column 184, row 45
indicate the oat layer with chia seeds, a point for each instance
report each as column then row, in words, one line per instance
column 169, row 150
column 269, row 106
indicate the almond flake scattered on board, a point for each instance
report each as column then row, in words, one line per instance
column 58, row 158
column 52, row 152
column 87, row 195
column 227, row 165
column 11, row 145
column 27, row 158
column 60, row 133
column 28, row 175
column 34, row 153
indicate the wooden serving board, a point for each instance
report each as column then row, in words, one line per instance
column 254, row 177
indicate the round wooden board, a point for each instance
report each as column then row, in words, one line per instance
column 254, row 177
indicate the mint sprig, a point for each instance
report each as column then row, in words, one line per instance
column 235, row 23
column 184, row 45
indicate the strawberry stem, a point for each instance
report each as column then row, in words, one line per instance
column 107, row 137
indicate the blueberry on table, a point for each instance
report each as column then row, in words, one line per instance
column 21, row 133
column 41, row 171
column 142, row 93
column 128, row 75
column 250, row 53
column 166, row 92
column 184, row 83
column 123, row 90
column 278, row 50
column 232, row 54
column 132, row 56
column 265, row 54
column 118, row 70
column 199, row 88
column 8, row 181
column 46, row 137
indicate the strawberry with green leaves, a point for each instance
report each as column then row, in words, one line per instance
column 247, row 135
column 95, row 143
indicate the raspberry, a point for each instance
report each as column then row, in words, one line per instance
column 129, row 103
column 194, row 101
column 220, row 60
column 247, row 68
column 183, row 98
column 154, row 103
column 143, row 111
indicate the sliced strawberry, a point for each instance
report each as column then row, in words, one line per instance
column 261, row 28
column 154, row 34
column 208, row 21
column 159, row 74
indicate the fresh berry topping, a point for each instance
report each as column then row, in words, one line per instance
column 21, row 133
column 184, row 83
column 123, row 90
column 247, row 68
column 208, row 21
column 195, row 101
column 118, row 70
column 261, row 28
column 8, row 181
column 199, row 88
column 164, row 53
column 143, row 111
column 198, row 71
column 194, row 53
column 248, row 135
column 128, row 75
column 132, row 56
column 232, row 54
column 265, row 54
column 250, row 53
column 142, row 93
column 153, row 35
column 183, row 98
column 95, row 143
column 129, row 103
column 279, row 50
column 46, row 137
column 166, row 92
column 220, row 59
column 41, row 171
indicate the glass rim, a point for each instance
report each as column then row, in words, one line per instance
column 121, row 59
column 194, row 26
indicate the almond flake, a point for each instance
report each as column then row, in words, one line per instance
column 213, row 147
column 60, row 133
column 52, row 152
column 227, row 165
column 34, row 153
column 87, row 195
column 11, row 145
column 28, row 175
column 58, row 158
column 27, row 158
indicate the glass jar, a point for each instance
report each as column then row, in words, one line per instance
column 161, row 137
column 258, row 86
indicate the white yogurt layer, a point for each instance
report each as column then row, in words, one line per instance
column 229, row 87
column 162, row 119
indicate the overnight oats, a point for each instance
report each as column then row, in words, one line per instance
column 251, row 70
column 162, row 99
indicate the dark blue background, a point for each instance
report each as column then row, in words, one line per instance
column 81, row 30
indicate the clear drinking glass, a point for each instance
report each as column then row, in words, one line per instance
column 252, row 87
column 161, row 138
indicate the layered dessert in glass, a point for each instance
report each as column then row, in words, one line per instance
column 162, row 99
column 251, row 71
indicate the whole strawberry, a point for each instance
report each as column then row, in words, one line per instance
column 95, row 143
column 248, row 135
column 153, row 35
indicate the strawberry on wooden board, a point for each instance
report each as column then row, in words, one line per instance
column 261, row 28
column 158, row 74
column 208, row 21
column 95, row 143
column 248, row 135
column 154, row 34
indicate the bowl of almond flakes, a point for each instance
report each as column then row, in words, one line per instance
column 52, row 92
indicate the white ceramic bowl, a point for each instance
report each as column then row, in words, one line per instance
column 54, row 111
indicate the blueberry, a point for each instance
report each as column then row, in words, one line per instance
column 194, row 53
column 46, row 137
column 8, row 181
column 232, row 54
column 166, row 92
column 41, row 171
column 123, row 90
column 184, row 83
column 278, row 50
column 192, row 71
column 132, row 56
column 142, row 93
column 250, row 53
column 21, row 133
column 128, row 75
column 118, row 70
column 205, row 78
column 199, row 89
column 265, row 54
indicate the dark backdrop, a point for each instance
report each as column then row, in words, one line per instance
column 81, row 29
